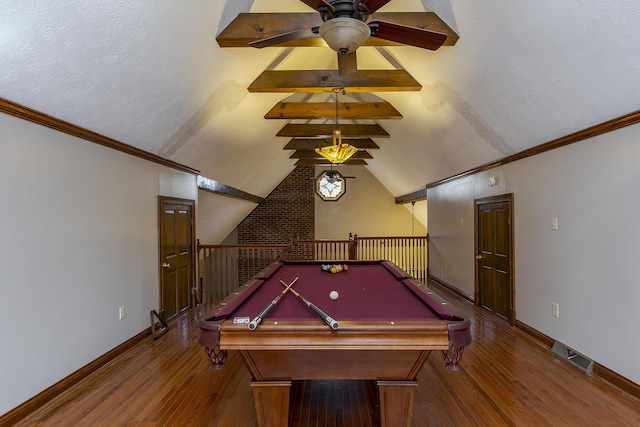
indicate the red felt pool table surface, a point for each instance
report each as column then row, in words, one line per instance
column 376, row 299
column 367, row 291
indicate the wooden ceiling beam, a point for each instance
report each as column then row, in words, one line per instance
column 296, row 81
column 346, row 110
column 323, row 130
column 215, row 187
column 249, row 27
column 412, row 197
column 312, row 144
column 313, row 162
column 310, row 154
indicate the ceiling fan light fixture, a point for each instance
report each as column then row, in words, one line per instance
column 344, row 34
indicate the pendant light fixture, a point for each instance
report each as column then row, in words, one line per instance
column 338, row 152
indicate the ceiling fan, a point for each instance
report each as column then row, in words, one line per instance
column 345, row 28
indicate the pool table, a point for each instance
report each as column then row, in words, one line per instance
column 387, row 325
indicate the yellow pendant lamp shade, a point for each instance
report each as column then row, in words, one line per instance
column 338, row 152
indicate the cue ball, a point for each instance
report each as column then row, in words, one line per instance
column 334, row 295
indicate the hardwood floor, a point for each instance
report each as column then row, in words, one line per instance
column 507, row 378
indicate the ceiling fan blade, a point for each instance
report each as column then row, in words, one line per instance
column 318, row 4
column 283, row 38
column 347, row 63
column 412, row 36
column 368, row 6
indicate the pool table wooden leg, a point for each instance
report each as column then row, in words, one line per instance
column 396, row 402
column 272, row 402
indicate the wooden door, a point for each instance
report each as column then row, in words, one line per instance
column 494, row 255
column 177, row 258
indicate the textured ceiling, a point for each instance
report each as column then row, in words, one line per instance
column 150, row 74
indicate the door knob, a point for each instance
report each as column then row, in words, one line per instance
column 479, row 256
column 166, row 265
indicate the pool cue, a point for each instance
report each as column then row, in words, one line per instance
column 324, row 316
column 255, row 322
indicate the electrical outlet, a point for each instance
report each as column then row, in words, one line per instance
column 555, row 309
column 121, row 312
column 554, row 223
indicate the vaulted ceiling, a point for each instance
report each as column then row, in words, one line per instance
column 151, row 74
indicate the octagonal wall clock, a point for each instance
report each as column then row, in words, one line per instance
column 330, row 185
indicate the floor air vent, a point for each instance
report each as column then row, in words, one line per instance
column 580, row 361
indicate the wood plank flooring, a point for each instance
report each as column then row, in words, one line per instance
column 507, row 378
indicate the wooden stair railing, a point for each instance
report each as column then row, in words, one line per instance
column 408, row 253
column 223, row 268
column 329, row 250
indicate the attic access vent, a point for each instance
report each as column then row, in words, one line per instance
column 580, row 361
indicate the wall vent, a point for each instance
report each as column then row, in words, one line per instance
column 578, row 360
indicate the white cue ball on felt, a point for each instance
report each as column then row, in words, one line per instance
column 334, row 295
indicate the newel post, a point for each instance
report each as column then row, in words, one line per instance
column 353, row 246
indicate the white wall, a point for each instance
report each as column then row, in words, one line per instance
column 218, row 214
column 79, row 238
column 367, row 209
column 589, row 266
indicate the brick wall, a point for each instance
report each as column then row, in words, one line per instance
column 287, row 212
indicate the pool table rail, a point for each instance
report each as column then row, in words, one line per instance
column 352, row 335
